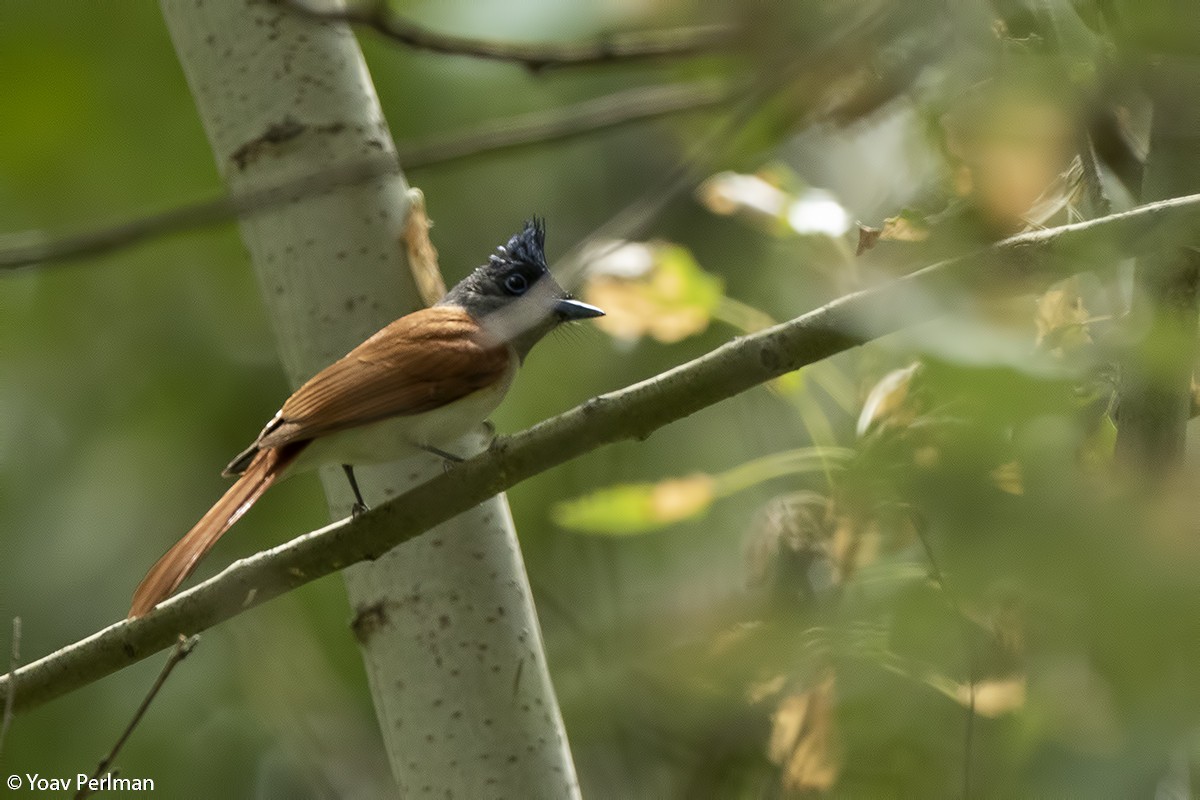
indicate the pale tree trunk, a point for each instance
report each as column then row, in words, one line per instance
column 447, row 628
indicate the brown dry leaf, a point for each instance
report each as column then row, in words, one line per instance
column 1062, row 319
column 1008, row 478
column 890, row 403
column 422, row 255
column 993, row 697
column 907, row 226
column 867, row 238
column 802, row 741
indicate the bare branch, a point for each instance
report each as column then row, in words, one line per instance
column 608, row 111
column 183, row 647
column 631, row 413
column 188, row 217
column 14, row 659
column 670, row 43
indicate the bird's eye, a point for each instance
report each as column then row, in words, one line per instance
column 516, row 283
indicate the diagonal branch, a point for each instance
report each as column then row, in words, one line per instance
column 608, row 111
column 183, row 648
column 631, row 413
column 670, row 43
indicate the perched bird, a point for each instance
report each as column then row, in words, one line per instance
column 418, row 384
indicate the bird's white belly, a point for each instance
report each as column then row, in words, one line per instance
column 401, row 437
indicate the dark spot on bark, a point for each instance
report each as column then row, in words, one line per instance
column 770, row 358
column 444, row 621
column 368, row 620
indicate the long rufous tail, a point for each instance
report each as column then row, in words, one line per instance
column 178, row 562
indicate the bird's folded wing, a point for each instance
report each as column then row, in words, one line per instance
column 420, row 362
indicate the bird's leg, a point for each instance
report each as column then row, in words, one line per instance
column 428, row 448
column 360, row 506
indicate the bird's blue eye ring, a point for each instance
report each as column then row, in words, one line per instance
column 515, row 283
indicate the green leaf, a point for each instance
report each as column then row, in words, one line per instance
column 632, row 508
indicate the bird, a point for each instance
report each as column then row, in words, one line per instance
column 418, row 384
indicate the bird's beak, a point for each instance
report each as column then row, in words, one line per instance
column 569, row 309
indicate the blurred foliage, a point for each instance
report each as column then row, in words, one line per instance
column 912, row 570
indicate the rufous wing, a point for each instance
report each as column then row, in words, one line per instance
column 420, row 362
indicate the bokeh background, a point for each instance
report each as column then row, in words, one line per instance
column 753, row 610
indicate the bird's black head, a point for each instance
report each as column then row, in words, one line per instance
column 516, row 293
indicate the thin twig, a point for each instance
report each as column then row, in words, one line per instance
column 589, row 116
column 670, row 43
column 10, row 695
column 183, row 646
column 632, row 413
column 956, row 608
column 609, row 111
column 188, row 217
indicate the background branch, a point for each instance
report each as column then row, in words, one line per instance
column 631, row 413
column 601, row 113
column 669, row 43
